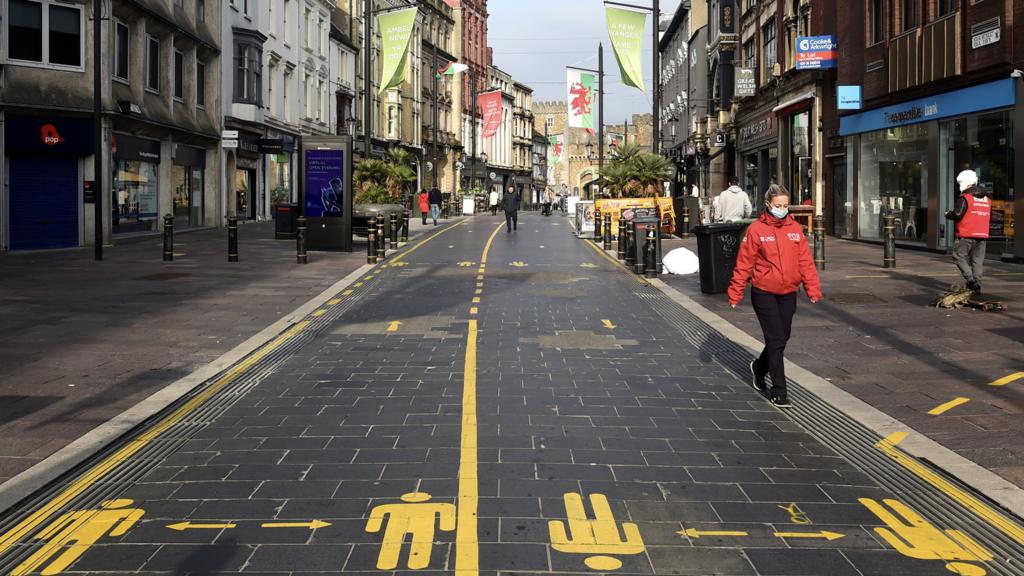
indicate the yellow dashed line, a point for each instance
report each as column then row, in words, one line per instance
column 334, row 301
column 1007, row 379
column 346, row 293
column 318, row 313
column 943, row 408
column 476, row 300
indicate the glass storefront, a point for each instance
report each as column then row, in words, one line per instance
column 245, row 193
column 800, row 157
column 279, row 180
column 135, row 196
column 188, row 196
column 894, row 179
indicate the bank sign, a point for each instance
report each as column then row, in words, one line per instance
column 815, row 52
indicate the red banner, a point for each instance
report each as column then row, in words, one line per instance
column 490, row 105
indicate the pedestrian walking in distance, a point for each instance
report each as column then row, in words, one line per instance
column 510, row 205
column 492, row 201
column 424, row 203
column 732, row 204
column 776, row 258
column 434, row 197
column 971, row 214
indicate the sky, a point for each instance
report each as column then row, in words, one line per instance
column 534, row 40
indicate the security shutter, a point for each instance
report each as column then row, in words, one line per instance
column 44, row 197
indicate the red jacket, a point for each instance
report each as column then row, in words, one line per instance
column 975, row 222
column 424, row 203
column 777, row 253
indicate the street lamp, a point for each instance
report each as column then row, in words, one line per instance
column 350, row 125
column 483, row 158
column 590, row 152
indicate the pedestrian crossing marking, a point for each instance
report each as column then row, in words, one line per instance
column 943, row 408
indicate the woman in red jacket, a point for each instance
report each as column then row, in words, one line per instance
column 424, row 205
column 776, row 257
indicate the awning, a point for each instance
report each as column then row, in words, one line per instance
column 793, row 103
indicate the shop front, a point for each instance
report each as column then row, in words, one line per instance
column 795, row 135
column 904, row 160
column 246, row 178
column 278, row 149
column 758, row 154
column 136, row 192
column 44, row 176
column 187, row 181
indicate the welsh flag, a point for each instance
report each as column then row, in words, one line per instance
column 451, row 69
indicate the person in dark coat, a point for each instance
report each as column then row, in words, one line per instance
column 435, row 203
column 510, row 204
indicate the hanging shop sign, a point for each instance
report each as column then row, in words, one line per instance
column 849, row 97
column 746, row 82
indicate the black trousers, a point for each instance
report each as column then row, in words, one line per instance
column 775, row 314
column 511, row 220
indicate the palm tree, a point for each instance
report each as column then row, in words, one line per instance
column 400, row 175
column 650, row 171
column 635, row 173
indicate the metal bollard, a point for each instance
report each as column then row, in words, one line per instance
column 597, row 225
column 686, row 222
column 819, row 242
column 889, row 255
column 630, row 245
column 640, row 265
column 232, row 238
column 651, row 254
column 168, row 238
column 393, row 220
column 607, row 231
column 621, row 253
column 381, row 241
column 300, row 240
column 371, row 241
column 405, row 226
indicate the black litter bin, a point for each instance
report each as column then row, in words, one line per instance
column 717, row 248
column 285, row 217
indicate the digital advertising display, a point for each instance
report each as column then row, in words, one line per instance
column 325, row 183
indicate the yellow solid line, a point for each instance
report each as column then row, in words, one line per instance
column 318, row 313
column 26, row 526
column 467, row 545
column 428, row 239
column 487, row 247
column 1007, row 379
column 979, row 508
column 943, row 408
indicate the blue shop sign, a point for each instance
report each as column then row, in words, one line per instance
column 849, row 97
column 988, row 96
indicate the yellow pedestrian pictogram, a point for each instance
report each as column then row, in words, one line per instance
column 393, row 326
column 415, row 518
column 74, row 533
column 598, row 536
column 912, row 536
column 796, row 515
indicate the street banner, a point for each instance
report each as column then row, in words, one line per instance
column 581, row 86
column 490, row 105
column 615, row 139
column 626, row 30
column 396, row 30
column 816, row 52
column 746, row 84
column 556, row 151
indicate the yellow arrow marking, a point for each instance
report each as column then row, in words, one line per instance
column 830, row 536
column 694, row 533
column 1007, row 379
column 393, row 326
column 182, row 526
column 943, row 408
column 518, row 264
column 313, row 525
column 608, row 324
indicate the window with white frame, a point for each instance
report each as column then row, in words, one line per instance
column 179, row 76
column 309, row 28
column 200, row 84
column 248, row 72
column 45, row 32
column 309, row 96
column 152, row 64
column 271, row 77
column 284, row 21
column 285, row 96
column 273, row 20
column 770, row 54
column 122, row 49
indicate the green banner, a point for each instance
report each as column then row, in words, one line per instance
column 626, row 30
column 395, row 31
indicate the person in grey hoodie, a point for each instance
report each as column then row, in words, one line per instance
column 732, row 204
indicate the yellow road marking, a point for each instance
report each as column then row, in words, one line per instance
column 479, row 291
column 476, row 300
column 979, row 508
column 1007, row 379
column 694, row 533
column 358, row 284
column 473, row 310
column 346, row 293
column 487, row 247
column 318, row 313
column 824, row 534
column 334, row 301
column 182, row 526
column 419, row 245
column 312, row 525
column 943, row 408
column 479, row 284
column 393, row 326
column 83, row 483
column 480, row 277
column 518, row 264
column 608, row 324
column 467, row 544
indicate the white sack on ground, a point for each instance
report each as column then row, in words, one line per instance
column 680, row 261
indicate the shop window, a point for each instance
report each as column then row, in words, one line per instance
column 179, row 76
column 47, row 33
column 122, row 45
column 984, row 144
column 877, row 21
column 200, row 85
column 152, row 64
column 136, row 199
column 893, row 180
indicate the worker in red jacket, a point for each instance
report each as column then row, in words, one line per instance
column 776, row 257
column 972, row 214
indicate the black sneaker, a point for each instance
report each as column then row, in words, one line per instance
column 781, row 400
column 757, row 380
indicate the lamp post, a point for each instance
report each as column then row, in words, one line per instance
column 590, row 161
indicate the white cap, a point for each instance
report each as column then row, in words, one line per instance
column 966, row 179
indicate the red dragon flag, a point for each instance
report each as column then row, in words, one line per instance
column 582, row 97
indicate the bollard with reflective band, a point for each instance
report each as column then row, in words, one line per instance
column 232, row 239
column 371, row 241
column 300, row 240
column 819, row 242
column 686, row 222
column 889, row 253
column 597, row 225
column 405, row 226
column 622, row 239
column 168, row 238
column 381, row 240
column 607, row 231
column 651, row 253
column 393, row 221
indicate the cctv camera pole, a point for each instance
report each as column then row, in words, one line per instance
column 97, row 128
column 600, row 116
